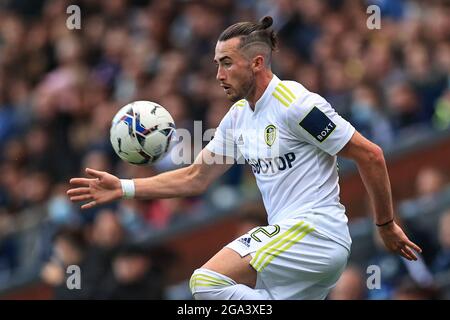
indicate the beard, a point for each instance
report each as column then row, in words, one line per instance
column 246, row 88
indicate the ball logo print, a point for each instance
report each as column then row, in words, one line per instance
column 141, row 132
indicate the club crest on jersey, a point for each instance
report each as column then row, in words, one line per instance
column 270, row 134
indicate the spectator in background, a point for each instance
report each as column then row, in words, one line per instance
column 395, row 268
column 160, row 214
column 405, row 108
column 336, row 87
column 350, row 286
column 309, row 77
column 442, row 261
column 104, row 238
column 133, row 276
column 35, row 189
column 442, row 60
column 368, row 117
column 106, row 233
column 8, row 246
column 427, row 82
column 69, row 248
column 8, row 118
column 97, row 159
column 10, row 191
column 37, row 145
column 441, row 116
column 429, row 184
column 61, row 212
column 409, row 290
column 133, row 222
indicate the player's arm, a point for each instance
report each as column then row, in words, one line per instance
column 371, row 164
column 189, row 181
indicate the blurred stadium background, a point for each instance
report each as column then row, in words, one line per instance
column 59, row 89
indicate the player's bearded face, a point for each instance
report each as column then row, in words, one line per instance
column 243, row 84
column 234, row 73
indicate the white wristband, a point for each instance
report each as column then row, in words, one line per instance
column 127, row 188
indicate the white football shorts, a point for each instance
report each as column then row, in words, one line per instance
column 293, row 260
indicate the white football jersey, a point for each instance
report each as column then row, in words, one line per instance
column 290, row 140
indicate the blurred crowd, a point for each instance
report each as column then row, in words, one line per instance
column 59, row 89
column 110, row 268
column 426, row 219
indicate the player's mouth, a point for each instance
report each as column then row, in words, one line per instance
column 226, row 88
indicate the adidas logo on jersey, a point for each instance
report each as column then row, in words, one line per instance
column 240, row 140
column 245, row 241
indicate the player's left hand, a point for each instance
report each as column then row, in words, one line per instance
column 396, row 241
column 102, row 188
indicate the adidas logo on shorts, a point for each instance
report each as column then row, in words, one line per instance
column 245, row 241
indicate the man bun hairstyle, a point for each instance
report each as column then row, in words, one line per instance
column 252, row 32
column 266, row 22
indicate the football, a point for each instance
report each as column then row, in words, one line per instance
column 141, row 132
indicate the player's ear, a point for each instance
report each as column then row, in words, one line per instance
column 258, row 63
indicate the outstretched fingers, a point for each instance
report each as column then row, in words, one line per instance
column 94, row 173
column 83, row 188
column 414, row 246
column 89, row 205
column 83, row 197
column 81, row 181
column 78, row 191
column 407, row 253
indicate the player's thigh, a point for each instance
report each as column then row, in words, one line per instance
column 229, row 263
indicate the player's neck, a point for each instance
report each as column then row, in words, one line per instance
column 261, row 83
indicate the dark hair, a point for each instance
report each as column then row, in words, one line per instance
column 131, row 249
column 251, row 32
column 73, row 236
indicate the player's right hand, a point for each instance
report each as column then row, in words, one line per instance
column 396, row 241
column 101, row 188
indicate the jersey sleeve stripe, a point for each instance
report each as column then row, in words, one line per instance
column 287, row 90
column 280, row 99
column 284, row 94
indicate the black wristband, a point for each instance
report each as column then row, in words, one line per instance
column 384, row 224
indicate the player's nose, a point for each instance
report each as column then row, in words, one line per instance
column 220, row 74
